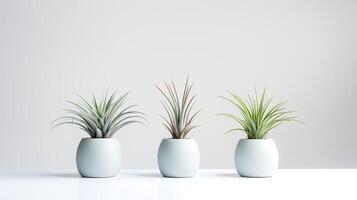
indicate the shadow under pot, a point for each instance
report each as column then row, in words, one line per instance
column 98, row 157
column 178, row 158
column 256, row 157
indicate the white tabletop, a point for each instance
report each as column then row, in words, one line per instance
column 207, row 184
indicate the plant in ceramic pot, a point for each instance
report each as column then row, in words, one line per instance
column 257, row 156
column 178, row 156
column 100, row 154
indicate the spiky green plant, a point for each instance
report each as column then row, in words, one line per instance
column 258, row 115
column 100, row 119
column 180, row 118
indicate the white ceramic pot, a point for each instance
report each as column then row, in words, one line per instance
column 98, row 157
column 256, row 157
column 178, row 157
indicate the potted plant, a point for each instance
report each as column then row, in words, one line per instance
column 257, row 156
column 178, row 156
column 99, row 155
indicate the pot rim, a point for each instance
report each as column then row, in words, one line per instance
column 256, row 140
column 178, row 139
column 90, row 138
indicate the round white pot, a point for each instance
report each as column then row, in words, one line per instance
column 256, row 157
column 178, row 157
column 98, row 157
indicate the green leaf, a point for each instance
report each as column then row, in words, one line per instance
column 258, row 114
column 178, row 109
column 100, row 118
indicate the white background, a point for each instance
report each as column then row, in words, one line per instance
column 302, row 51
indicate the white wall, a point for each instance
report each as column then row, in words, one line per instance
column 303, row 51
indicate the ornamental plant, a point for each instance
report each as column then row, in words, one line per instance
column 100, row 119
column 179, row 109
column 258, row 115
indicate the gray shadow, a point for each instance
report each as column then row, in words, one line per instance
column 149, row 175
column 23, row 175
column 236, row 175
column 227, row 175
column 61, row 175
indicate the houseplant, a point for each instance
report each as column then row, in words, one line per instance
column 99, row 155
column 257, row 156
column 178, row 156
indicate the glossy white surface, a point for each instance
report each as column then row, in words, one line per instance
column 98, row 157
column 256, row 157
column 178, row 157
column 207, row 184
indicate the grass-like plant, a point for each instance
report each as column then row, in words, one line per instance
column 180, row 117
column 258, row 114
column 100, row 119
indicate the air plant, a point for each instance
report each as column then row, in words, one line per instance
column 100, row 119
column 180, row 117
column 258, row 115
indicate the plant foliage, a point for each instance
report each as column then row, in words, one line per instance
column 258, row 115
column 180, row 117
column 100, row 119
